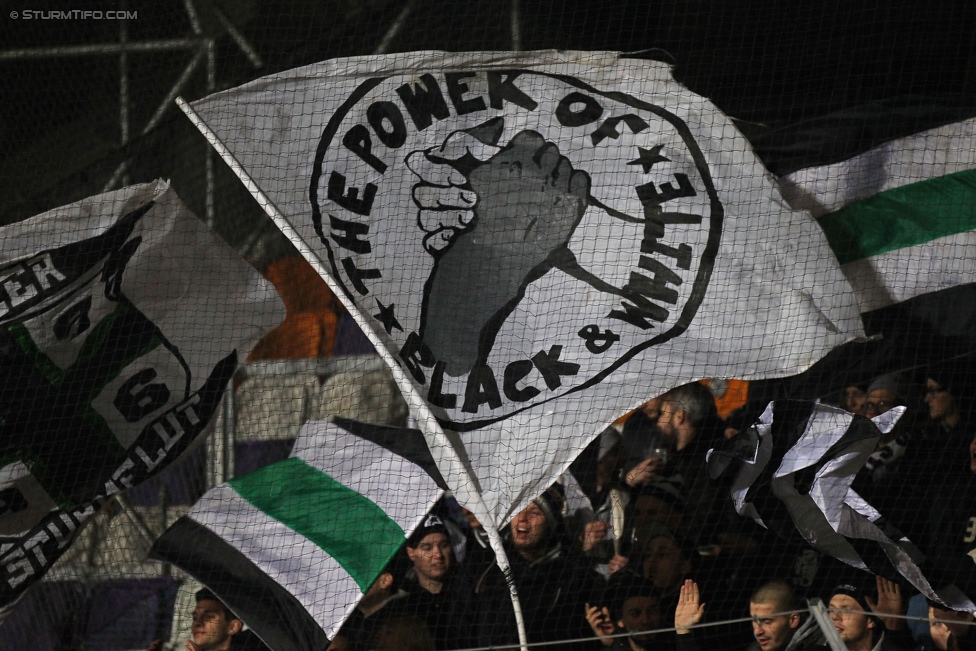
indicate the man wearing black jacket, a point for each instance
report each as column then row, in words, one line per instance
column 553, row 583
column 435, row 590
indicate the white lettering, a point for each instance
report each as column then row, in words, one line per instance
column 19, row 289
column 120, row 478
column 151, row 463
column 45, row 272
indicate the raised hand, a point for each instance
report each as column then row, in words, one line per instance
column 617, row 563
column 890, row 602
column 593, row 533
column 644, row 472
column 446, row 207
column 689, row 611
column 601, row 623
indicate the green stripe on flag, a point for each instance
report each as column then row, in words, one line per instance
column 348, row 526
column 903, row 217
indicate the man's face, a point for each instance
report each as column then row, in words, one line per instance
column 529, row 528
column 667, row 421
column 772, row 633
column 663, row 564
column 852, row 627
column 641, row 614
column 212, row 630
column 854, row 400
column 939, row 401
column 879, row 401
column 431, row 557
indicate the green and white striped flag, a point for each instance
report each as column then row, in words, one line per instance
column 292, row 547
column 901, row 218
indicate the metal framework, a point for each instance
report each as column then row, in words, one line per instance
column 201, row 45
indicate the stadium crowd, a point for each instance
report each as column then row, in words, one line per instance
column 639, row 548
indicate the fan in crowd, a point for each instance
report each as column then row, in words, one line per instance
column 628, row 539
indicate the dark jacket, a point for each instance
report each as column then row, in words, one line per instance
column 553, row 592
column 448, row 614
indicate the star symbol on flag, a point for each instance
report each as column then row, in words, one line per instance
column 648, row 157
column 387, row 317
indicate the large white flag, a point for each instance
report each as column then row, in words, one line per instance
column 540, row 241
column 121, row 322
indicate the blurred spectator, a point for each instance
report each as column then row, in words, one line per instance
column 216, row 628
column 633, row 607
column 362, row 623
column 661, row 501
column 667, row 561
column 403, row 633
column 885, row 393
column 951, row 630
column 934, row 480
column 854, row 398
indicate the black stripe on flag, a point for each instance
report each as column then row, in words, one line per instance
column 408, row 443
column 269, row 610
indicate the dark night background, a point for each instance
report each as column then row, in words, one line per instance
column 808, row 82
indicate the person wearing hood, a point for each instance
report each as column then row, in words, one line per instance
column 554, row 583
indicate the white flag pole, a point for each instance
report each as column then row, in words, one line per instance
column 445, row 456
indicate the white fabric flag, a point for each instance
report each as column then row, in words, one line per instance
column 541, row 240
column 798, row 480
column 122, row 318
column 900, row 217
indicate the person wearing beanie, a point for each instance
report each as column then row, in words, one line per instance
column 881, row 481
column 436, row 592
column 661, row 501
column 362, row 624
column 884, row 393
column 554, row 583
column 667, row 560
column 863, row 623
